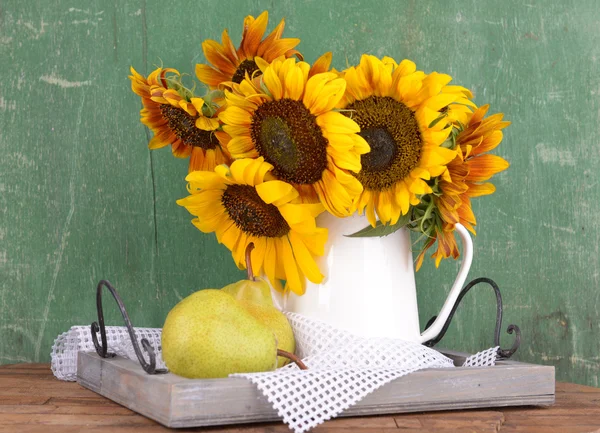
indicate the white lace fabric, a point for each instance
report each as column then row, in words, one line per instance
column 79, row 339
column 342, row 368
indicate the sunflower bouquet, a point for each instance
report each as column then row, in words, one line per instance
column 274, row 141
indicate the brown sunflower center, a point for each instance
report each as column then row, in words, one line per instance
column 286, row 134
column 251, row 214
column 184, row 127
column 393, row 133
column 246, row 66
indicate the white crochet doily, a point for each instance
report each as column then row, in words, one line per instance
column 79, row 339
column 342, row 368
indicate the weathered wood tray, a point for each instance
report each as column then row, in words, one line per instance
column 178, row 402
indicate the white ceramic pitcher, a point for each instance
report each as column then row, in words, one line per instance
column 369, row 288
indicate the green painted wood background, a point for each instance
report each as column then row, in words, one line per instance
column 82, row 198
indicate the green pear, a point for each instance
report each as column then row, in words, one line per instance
column 255, row 295
column 279, row 325
column 210, row 334
column 253, row 289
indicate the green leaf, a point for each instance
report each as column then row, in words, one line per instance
column 437, row 120
column 380, row 229
column 423, row 237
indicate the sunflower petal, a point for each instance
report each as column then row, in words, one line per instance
column 305, row 260
column 292, row 276
column 294, row 84
column 270, row 260
column 276, row 192
column 254, row 29
column 322, row 64
column 330, row 95
column 402, row 197
column 477, row 190
column 485, row 166
column 240, row 145
column 335, row 122
column 235, row 116
column 207, row 123
column 273, row 83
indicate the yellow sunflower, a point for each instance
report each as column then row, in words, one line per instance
column 465, row 179
column 243, row 204
column 286, row 116
column 177, row 120
column 230, row 65
column 398, row 111
column 446, row 245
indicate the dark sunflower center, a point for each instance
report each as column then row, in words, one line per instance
column 393, row 133
column 383, row 149
column 184, row 127
column 286, row 134
column 246, row 66
column 251, row 214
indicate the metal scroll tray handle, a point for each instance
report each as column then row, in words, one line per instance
column 150, row 367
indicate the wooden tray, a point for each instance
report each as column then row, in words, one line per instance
column 178, row 402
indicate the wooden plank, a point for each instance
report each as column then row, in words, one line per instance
column 555, row 428
column 23, row 399
column 65, row 410
column 478, row 421
column 29, row 428
column 23, row 369
column 367, row 422
column 40, row 382
column 178, row 402
column 67, row 428
column 553, row 420
column 97, row 400
column 590, row 421
column 142, row 393
column 60, row 419
column 32, row 366
column 74, row 392
column 37, row 378
column 576, row 410
column 408, row 430
column 573, row 388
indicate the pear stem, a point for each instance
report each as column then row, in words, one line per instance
column 293, row 358
column 249, row 249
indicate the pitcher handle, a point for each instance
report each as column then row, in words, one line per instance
column 467, row 253
column 278, row 299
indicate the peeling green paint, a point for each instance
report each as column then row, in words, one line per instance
column 82, row 198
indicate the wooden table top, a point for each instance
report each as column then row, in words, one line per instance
column 32, row 400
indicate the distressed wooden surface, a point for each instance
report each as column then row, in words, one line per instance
column 178, row 402
column 33, row 401
column 81, row 197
